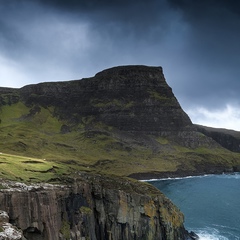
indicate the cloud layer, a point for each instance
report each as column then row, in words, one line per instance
column 196, row 42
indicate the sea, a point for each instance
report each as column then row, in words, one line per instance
column 210, row 203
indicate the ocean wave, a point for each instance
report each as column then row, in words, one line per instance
column 210, row 234
column 224, row 175
column 225, row 227
column 176, row 178
column 214, row 234
column 230, row 175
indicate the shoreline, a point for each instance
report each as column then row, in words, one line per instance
column 151, row 176
column 177, row 178
column 188, row 177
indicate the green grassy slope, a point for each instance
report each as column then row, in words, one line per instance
column 33, row 148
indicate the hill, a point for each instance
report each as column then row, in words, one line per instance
column 124, row 121
column 228, row 139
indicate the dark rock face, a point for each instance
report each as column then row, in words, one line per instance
column 130, row 98
column 228, row 139
column 92, row 208
column 9, row 96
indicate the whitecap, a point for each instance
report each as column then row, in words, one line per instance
column 176, row 178
column 210, row 234
column 230, row 176
column 235, row 175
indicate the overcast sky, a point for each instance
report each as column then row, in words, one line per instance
column 196, row 42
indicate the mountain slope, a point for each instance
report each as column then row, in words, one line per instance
column 133, row 98
column 229, row 139
column 124, row 121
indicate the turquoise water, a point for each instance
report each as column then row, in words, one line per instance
column 211, row 204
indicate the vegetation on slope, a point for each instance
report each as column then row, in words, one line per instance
column 35, row 147
column 124, row 121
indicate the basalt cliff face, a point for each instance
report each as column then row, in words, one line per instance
column 93, row 207
column 132, row 98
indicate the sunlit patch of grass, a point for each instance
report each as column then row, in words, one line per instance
column 29, row 169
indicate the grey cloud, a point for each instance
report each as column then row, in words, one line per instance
column 196, row 42
column 132, row 28
column 213, row 53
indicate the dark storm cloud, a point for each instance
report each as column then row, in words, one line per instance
column 128, row 16
column 195, row 9
column 196, row 42
column 214, row 48
column 84, row 34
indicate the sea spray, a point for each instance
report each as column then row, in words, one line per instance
column 210, row 234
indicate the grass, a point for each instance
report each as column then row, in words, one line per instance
column 34, row 149
column 162, row 140
column 165, row 100
column 65, row 229
column 121, row 104
column 26, row 169
column 157, row 95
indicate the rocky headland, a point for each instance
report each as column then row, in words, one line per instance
column 91, row 207
column 69, row 148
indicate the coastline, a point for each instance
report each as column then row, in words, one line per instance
column 188, row 177
column 148, row 176
column 177, row 178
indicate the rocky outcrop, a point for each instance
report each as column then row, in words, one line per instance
column 8, row 96
column 130, row 98
column 7, row 230
column 93, row 207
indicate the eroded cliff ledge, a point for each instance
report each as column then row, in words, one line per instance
column 92, row 207
column 130, row 98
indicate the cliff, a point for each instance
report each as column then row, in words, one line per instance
column 229, row 139
column 124, row 121
column 113, row 123
column 130, row 98
column 92, row 207
column 86, row 135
